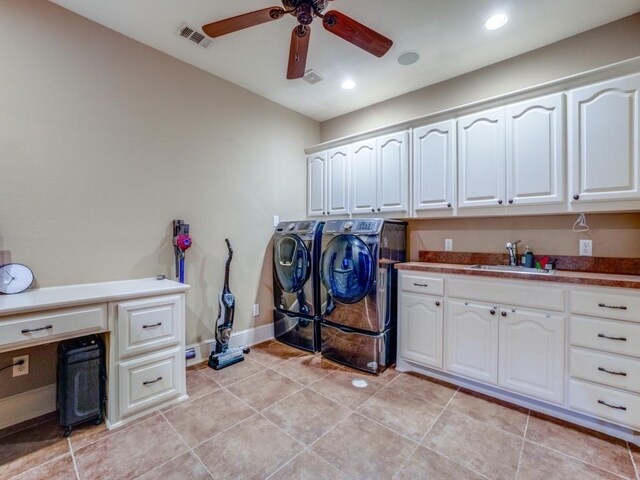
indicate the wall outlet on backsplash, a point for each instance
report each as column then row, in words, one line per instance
column 448, row 245
column 586, row 248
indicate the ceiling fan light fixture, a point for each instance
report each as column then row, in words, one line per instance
column 408, row 58
column 497, row 21
column 348, row 84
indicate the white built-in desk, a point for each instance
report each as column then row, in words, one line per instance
column 144, row 326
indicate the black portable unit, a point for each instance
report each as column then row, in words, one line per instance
column 82, row 378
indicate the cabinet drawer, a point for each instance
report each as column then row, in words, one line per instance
column 149, row 381
column 422, row 284
column 606, row 335
column 44, row 327
column 603, row 303
column 613, row 370
column 150, row 324
column 605, row 402
column 516, row 293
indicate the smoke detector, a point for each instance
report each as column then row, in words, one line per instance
column 312, row 77
column 192, row 34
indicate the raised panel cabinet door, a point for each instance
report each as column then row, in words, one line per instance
column 481, row 159
column 363, row 176
column 421, row 329
column 471, row 336
column 393, row 172
column 532, row 354
column 316, row 184
column 535, row 151
column 604, row 128
column 338, row 180
column 434, row 166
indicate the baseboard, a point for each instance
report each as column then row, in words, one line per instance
column 248, row 337
column 27, row 405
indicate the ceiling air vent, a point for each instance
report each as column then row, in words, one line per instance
column 190, row 33
column 312, row 77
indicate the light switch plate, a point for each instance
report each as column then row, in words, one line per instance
column 276, row 220
column 256, row 309
column 586, row 248
column 448, row 245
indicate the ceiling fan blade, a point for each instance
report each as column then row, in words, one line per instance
column 298, row 51
column 233, row 24
column 356, row 33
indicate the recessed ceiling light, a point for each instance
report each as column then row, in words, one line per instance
column 496, row 21
column 408, row 58
column 348, row 84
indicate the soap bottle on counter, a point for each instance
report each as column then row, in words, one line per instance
column 527, row 257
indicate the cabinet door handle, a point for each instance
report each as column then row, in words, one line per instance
column 622, row 374
column 500, row 202
column 492, row 311
column 378, row 209
column 614, row 307
column 504, row 314
column 448, row 205
column 29, row 330
column 438, row 304
column 511, row 201
column 151, row 382
column 576, row 197
column 616, row 407
column 373, row 209
column 152, row 326
column 421, row 284
column 621, row 339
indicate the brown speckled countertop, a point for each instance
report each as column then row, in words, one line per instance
column 562, row 276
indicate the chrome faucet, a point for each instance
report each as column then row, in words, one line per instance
column 512, row 247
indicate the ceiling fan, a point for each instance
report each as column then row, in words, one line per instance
column 304, row 11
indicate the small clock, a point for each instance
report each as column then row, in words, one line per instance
column 15, row 278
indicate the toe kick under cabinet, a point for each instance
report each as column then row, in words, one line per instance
column 564, row 349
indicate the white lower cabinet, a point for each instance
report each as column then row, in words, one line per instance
column 532, row 354
column 421, row 328
column 471, row 335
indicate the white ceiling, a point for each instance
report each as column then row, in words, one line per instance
column 448, row 34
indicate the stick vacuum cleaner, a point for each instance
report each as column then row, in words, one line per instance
column 181, row 242
column 223, row 356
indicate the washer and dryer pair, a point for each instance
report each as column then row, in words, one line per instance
column 335, row 288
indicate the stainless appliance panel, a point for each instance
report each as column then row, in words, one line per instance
column 297, row 331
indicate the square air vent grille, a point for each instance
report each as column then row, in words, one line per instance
column 196, row 37
column 312, row 77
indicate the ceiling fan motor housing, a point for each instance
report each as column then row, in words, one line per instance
column 305, row 10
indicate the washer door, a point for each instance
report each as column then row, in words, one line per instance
column 291, row 263
column 347, row 269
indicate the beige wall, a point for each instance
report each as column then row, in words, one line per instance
column 103, row 141
column 613, row 235
column 608, row 44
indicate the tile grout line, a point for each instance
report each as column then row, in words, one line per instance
column 54, row 459
column 524, row 439
column 73, row 458
column 286, row 463
column 633, row 461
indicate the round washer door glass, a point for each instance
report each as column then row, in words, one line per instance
column 347, row 269
column 291, row 263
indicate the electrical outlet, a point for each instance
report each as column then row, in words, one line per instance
column 276, row 221
column 256, row 309
column 448, row 245
column 586, row 248
column 21, row 369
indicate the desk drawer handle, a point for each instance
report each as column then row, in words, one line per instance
column 152, row 326
column 621, row 339
column 622, row 374
column 421, row 284
column 151, row 382
column 29, row 330
column 604, row 305
column 616, row 407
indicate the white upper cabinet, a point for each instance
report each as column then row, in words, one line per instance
column 393, row 172
column 364, row 165
column 535, row 151
column 316, row 184
column 434, row 166
column 604, row 127
column 338, row 180
column 481, row 159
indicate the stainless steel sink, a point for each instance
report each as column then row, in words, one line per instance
column 510, row 269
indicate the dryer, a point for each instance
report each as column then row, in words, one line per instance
column 356, row 268
column 297, row 291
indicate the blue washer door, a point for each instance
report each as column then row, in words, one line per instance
column 292, row 263
column 347, row 269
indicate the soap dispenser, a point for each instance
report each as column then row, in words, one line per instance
column 527, row 257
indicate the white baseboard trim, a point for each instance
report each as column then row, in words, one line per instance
column 248, row 337
column 27, row 405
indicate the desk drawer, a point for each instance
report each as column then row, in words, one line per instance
column 606, row 304
column 604, row 402
column 48, row 326
column 417, row 283
column 612, row 370
column 149, row 324
column 606, row 335
column 149, row 381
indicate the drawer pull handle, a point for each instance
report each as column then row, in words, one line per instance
column 604, row 305
column 622, row 339
column 152, row 326
column 421, row 284
column 151, row 382
column 622, row 374
column 29, row 330
column 616, row 407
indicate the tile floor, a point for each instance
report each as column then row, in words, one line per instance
column 285, row 415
